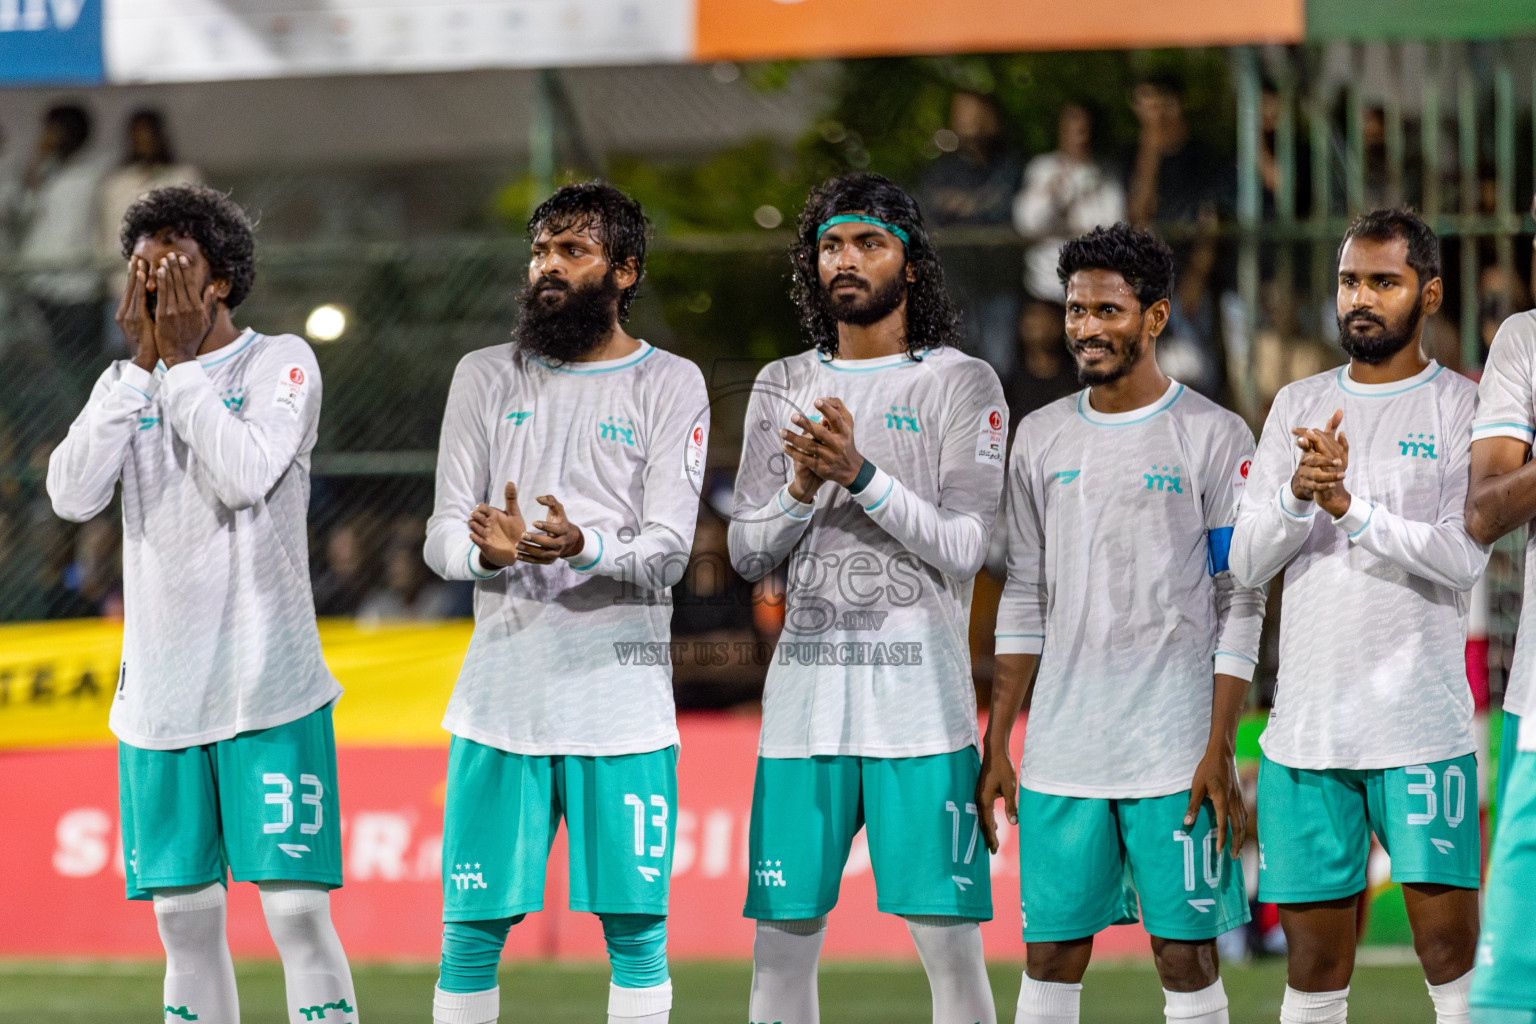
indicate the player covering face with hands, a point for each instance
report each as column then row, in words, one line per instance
column 1357, row 495
column 226, row 759
column 608, row 433
column 871, row 469
column 1123, row 632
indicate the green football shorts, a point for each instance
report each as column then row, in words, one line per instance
column 502, row 813
column 1085, row 863
column 1504, row 985
column 920, row 814
column 262, row 803
column 1315, row 827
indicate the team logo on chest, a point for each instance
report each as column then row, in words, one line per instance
column 1418, row 446
column 902, row 417
column 617, row 428
column 233, row 398
column 1165, row 478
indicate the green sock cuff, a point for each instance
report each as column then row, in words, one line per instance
column 472, row 952
column 637, row 949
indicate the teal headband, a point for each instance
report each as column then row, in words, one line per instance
column 859, row 218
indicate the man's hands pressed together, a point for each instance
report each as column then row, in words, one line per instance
column 503, row 537
column 1320, row 475
column 822, row 451
column 560, row 538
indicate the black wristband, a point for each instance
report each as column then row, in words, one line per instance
column 865, row 475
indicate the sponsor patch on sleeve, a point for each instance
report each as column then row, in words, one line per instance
column 1240, row 473
column 693, row 455
column 989, row 437
column 291, row 388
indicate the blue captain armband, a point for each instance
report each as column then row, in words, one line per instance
column 1218, row 549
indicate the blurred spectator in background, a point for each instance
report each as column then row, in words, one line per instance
column 1066, row 193
column 1045, row 370
column 149, row 162
column 720, row 661
column 973, row 182
column 58, row 209
column 1180, row 185
column 409, row 590
column 347, row 577
column 95, row 576
column 1500, row 295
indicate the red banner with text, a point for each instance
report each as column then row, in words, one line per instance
column 61, row 881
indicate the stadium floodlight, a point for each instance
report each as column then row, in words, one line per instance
column 326, row 323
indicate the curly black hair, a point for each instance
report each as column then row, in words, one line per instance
column 221, row 229
column 932, row 319
column 1388, row 224
column 1136, row 254
column 612, row 217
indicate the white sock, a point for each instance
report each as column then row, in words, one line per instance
column 1207, row 1006
column 784, row 957
column 1451, row 1000
column 1048, row 1002
column 950, row 948
column 1314, row 1007
column 199, row 975
column 640, row 1005
column 465, row 1007
column 315, row 970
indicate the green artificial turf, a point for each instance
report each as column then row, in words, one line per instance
column 706, row 993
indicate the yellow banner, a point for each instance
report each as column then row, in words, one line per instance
column 57, row 679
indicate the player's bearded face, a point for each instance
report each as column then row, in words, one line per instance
column 1106, row 356
column 1371, row 338
column 851, row 299
column 560, row 321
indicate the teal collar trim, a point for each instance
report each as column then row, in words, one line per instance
column 1351, row 386
column 603, row 365
column 1125, row 419
column 866, row 365
column 861, row 218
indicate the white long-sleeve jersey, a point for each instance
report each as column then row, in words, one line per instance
column 1373, row 628
column 572, row 658
column 1504, row 409
column 874, row 659
column 219, row 629
column 1117, row 536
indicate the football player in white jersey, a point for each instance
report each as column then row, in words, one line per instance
column 1502, row 498
column 872, row 467
column 1121, row 500
column 1357, row 495
column 226, row 757
column 563, row 708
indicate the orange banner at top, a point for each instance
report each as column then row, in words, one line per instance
column 771, row 29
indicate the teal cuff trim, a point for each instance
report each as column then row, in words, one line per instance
column 596, row 559
column 888, row 489
column 474, row 565
column 789, row 511
column 865, row 475
column 1364, row 524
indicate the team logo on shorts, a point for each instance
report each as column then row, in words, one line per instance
column 464, row 879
